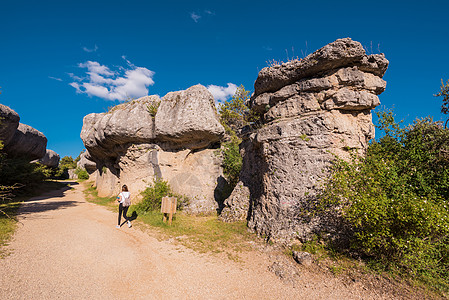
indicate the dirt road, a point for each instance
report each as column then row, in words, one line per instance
column 67, row 248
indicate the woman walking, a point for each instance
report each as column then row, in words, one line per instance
column 125, row 201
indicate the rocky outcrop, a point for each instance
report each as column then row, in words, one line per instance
column 50, row 159
column 27, row 143
column 313, row 109
column 9, row 121
column 86, row 162
column 188, row 119
column 170, row 138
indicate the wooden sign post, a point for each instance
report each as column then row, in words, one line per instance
column 168, row 206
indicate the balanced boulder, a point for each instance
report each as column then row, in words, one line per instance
column 9, row 121
column 27, row 143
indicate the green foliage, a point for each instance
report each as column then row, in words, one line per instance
column 232, row 160
column 152, row 197
column 395, row 199
column 234, row 114
column 82, row 174
column 66, row 163
column 444, row 92
column 153, row 107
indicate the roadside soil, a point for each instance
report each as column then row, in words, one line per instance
column 67, row 248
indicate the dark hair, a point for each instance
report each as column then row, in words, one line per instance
column 124, row 188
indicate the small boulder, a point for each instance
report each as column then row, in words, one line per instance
column 303, row 258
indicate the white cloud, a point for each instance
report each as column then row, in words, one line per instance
column 195, row 17
column 209, row 12
column 90, row 50
column 55, row 78
column 102, row 82
column 222, row 93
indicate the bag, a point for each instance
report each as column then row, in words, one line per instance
column 127, row 200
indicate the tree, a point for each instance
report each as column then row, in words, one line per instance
column 235, row 114
column 444, row 92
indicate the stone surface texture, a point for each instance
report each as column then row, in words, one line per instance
column 50, row 159
column 86, row 163
column 9, row 121
column 27, row 143
column 134, row 144
column 312, row 109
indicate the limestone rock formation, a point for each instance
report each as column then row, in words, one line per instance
column 188, row 119
column 148, row 138
column 86, row 162
column 27, row 143
column 50, row 159
column 313, row 109
column 9, row 121
column 104, row 134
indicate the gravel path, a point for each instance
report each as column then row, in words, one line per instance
column 67, row 248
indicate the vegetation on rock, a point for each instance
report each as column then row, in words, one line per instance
column 395, row 200
column 234, row 115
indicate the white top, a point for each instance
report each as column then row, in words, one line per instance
column 123, row 195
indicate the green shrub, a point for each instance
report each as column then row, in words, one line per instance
column 232, row 161
column 82, row 174
column 395, row 199
column 152, row 197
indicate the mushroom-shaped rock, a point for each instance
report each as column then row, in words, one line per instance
column 27, row 143
column 340, row 53
column 130, row 122
column 9, row 121
column 188, row 119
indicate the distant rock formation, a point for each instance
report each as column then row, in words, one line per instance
column 86, row 163
column 50, row 159
column 170, row 138
column 312, row 108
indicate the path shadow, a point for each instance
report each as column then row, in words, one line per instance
column 130, row 218
column 37, row 207
column 54, row 193
column 43, row 203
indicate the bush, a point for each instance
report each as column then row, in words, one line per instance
column 395, row 199
column 82, row 174
column 152, row 197
column 232, row 161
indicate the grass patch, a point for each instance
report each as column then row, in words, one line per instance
column 201, row 233
column 91, row 195
column 8, row 224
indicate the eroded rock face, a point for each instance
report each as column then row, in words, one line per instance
column 313, row 109
column 104, row 134
column 188, row 119
column 133, row 145
column 9, row 121
column 27, row 143
column 86, row 162
column 50, row 159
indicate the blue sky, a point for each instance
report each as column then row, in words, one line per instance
column 47, row 49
